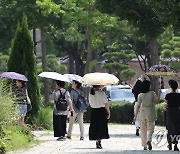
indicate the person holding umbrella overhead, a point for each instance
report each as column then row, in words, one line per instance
column 21, row 96
column 60, row 112
column 20, row 92
column 75, row 94
column 98, row 101
column 100, row 114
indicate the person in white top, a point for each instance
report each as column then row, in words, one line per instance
column 146, row 105
column 100, row 114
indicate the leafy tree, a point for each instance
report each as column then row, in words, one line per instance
column 22, row 60
column 117, row 61
column 143, row 15
column 3, row 62
column 170, row 49
column 54, row 66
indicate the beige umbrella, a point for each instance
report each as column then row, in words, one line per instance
column 99, row 79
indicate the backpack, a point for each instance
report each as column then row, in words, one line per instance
column 61, row 103
column 81, row 103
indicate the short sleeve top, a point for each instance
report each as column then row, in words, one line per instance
column 74, row 97
column 173, row 100
column 98, row 100
column 55, row 96
column 21, row 97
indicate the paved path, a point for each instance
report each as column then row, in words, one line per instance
column 122, row 141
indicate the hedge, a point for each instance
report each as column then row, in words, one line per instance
column 123, row 113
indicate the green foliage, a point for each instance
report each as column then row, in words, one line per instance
column 49, row 7
column 22, row 60
column 16, row 137
column 170, row 51
column 11, row 136
column 123, row 112
column 43, row 120
column 92, row 65
column 160, row 114
column 54, row 66
column 3, row 62
column 127, row 74
column 7, row 106
column 140, row 13
column 2, row 147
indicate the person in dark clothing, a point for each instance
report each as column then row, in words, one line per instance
column 173, row 115
column 60, row 117
column 136, row 90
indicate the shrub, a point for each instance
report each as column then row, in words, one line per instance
column 16, row 137
column 160, row 114
column 123, row 112
column 44, row 118
column 2, row 147
column 8, row 111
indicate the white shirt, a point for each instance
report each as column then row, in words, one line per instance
column 98, row 100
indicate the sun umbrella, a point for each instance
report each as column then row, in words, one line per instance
column 99, row 79
column 54, row 76
column 160, row 70
column 72, row 77
column 13, row 75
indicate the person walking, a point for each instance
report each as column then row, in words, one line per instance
column 100, row 114
column 21, row 96
column 60, row 116
column 165, row 113
column 136, row 91
column 75, row 92
column 173, row 115
column 146, row 105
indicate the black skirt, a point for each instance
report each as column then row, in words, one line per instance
column 59, row 125
column 173, row 122
column 98, row 124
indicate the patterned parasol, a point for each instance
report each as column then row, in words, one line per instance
column 160, row 70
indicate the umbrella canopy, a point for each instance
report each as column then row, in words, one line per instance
column 72, row 77
column 160, row 70
column 54, row 76
column 99, row 79
column 13, row 75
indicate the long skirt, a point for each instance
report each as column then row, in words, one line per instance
column 59, row 125
column 173, row 123
column 98, row 124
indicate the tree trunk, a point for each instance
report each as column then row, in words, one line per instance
column 71, row 64
column 80, row 67
column 89, row 45
column 154, row 61
column 46, row 84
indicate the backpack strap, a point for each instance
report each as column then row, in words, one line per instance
column 76, row 91
column 62, row 95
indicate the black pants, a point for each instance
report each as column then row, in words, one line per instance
column 59, row 125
